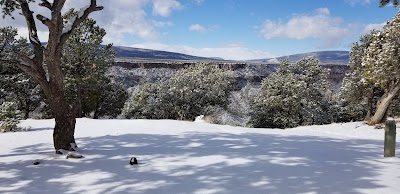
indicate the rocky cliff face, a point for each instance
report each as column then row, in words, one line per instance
column 131, row 74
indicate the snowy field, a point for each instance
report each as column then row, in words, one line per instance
column 185, row 157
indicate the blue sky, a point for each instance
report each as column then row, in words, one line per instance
column 236, row 29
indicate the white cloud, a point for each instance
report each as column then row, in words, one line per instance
column 161, row 23
column 199, row 2
column 121, row 18
column 230, row 52
column 355, row 2
column 319, row 25
column 370, row 27
column 323, row 11
column 197, row 28
column 200, row 28
column 165, row 7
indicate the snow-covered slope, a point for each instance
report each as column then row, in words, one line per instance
column 325, row 57
column 138, row 53
column 187, row 157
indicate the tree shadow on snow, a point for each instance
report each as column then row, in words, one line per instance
column 202, row 163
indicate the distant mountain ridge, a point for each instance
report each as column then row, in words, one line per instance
column 139, row 53
column 325, row 57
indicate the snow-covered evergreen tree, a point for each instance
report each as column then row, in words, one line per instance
column 190, row 92
column 9, row 116
column 296, row 94
column 357, row 97
column 14, row 84
column 85, row 62
column 380, row 68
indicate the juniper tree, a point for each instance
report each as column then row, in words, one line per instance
column 85, row 62
column 44, row 65
column 296, row 94
column 358, row 96
column 187, row 94
column 14, row 84
column 9, row 116
column 381, row 66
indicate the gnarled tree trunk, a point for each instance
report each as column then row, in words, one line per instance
column 64, row 130
column 383, row 105
column 44, row 66
column 64, row 115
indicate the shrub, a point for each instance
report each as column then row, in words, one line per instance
column 293, row 95
column 189, row 93
column 9, row 116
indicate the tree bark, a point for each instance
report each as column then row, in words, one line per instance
column 45, row 65
column 64, row 115
column 64, row 130
column 369, row 106
column 78, row 102
column 383, row 105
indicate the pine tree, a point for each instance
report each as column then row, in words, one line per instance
column 9, row 116
column 296, row 94
column 190, row 92
column 15, row 85
column 85, row 62
column 381, row 66
column 358, row 97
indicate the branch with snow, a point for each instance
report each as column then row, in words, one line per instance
column 73, row 22
column 28, row 65
column 33, row 37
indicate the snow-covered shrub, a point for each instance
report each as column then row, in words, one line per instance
column 237, row 112
column 344, row 111
column 145, row 103
column 186, row 95
column 296, row 94
column 9, row 116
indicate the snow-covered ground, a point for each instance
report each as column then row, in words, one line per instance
column 187, row 157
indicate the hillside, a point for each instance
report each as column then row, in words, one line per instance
column 187, row 157
column 325, row 57
column 138, row 53
column 134, row 66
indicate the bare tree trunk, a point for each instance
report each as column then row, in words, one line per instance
column 369, row 106
column 64, row 115
column 64, row 130
column 96, row 111
column 78, row 104
column 383, row 105
column 44, row 66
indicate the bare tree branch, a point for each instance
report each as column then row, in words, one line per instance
column 46, row 4
column 32, row 65
column 385, row 2
column 27, row 66
column 30, row 21
column 82, row 15
column 59, row 4
column 46, row 21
